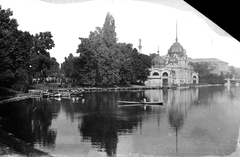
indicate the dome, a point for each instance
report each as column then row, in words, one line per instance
column 158, row 61
column 176, row 48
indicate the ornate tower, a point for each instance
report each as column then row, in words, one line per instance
column 140, row 46
column 176, row 33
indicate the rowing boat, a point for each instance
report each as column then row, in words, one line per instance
column 140, row 103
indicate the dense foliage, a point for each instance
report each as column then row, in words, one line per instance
column 206, row 75
column 22, row 55
column 104, row 61
column 234, row 72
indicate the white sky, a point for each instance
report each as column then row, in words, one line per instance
column 155, row 24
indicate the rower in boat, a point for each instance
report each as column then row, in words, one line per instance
column 144, row 105
column 143, row 100
column 138, row 103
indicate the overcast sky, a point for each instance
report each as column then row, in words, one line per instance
column 154, row 24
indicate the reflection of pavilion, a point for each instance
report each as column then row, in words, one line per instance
column 154, row 95
column 182, row 96
column 176, row 104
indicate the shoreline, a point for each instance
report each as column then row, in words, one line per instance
column 36, row 92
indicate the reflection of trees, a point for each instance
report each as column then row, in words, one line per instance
column 42, row 119
column 104, row 122
column 102, row 131
column 176, row 119
column 71, row 107
column 30, row 120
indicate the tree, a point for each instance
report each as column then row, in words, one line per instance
column 103, row 61
column 8, row 27
column 43, row 42
column 53, row 71
column 40, row 60
column 99, row 56
column 205, row 73
column 125, row 63
column 108, row 31
column 202, row 69
column 69, row 67
column 140, row 65
column 21, row 54
column 15, row 47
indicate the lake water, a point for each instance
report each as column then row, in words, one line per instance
column 192, row 122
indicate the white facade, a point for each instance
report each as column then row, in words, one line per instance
column 172, row 69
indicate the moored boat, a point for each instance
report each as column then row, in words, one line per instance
column 65, row 92
column 53, row 93
column 77, row 92
column 58, row 95
column 44, row 94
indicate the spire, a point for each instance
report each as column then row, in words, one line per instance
column 140, row 46
column 158, row 50
column 176, row 32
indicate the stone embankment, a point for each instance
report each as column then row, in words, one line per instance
column 94, row 89
column 18, row 98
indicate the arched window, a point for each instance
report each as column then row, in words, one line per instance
column 194, row 79
column 155, row 74
column 165, row 74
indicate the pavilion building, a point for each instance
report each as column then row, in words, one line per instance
column 172, row 69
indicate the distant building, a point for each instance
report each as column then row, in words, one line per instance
column 172, row 69
column 219, row 66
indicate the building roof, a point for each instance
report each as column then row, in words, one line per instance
column 206, row 60
column 176, row 48
column 158, row 60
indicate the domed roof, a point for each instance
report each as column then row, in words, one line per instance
column 176, row 48
column 158, row 60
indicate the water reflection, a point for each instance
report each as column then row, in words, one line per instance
column 188, row 117
column 30, row 120
column 177, row 103
column 104, row 121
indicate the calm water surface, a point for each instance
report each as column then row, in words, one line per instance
column 192, row 122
